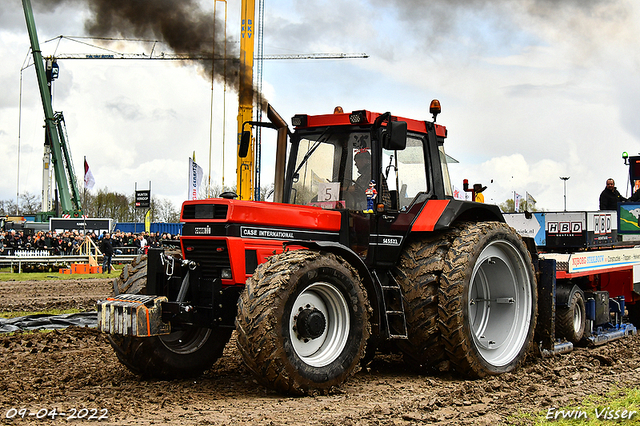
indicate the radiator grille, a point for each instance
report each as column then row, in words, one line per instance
column 211, row 255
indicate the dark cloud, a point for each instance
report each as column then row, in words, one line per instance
column 181, row 24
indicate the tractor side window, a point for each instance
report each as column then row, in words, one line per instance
column 315, row 173
column 444, row 160
column 405, row 172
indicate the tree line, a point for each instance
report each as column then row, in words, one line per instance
column 121, row 207
column 104, row 203
column 115, row 205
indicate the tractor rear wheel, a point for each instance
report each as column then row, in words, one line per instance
column 303, row 322
column 571, row 319
column 487, row 300
column 180, row 354
column 418, row 273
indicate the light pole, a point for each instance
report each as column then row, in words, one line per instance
column 565, row 179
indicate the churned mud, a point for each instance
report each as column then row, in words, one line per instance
column 74, row 373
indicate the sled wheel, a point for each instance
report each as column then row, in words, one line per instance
column 487, row 300
column 303, row 322
column 571, row 319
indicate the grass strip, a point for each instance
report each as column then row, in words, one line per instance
column 619, row 406
column 7, row 275
column 15, row 314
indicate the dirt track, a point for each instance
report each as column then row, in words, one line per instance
column 76, row 368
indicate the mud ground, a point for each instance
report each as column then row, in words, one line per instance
column 75, row 369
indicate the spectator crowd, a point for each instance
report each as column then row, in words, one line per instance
column 69, row 242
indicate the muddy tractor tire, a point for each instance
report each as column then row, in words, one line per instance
column 418, row 273
column 181, row 354
column 303, row 322
column 133, row 278
column 487, row 300
column 571, row 319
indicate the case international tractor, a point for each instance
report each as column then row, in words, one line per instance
column 363, row 249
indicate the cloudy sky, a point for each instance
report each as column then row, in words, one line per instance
column 531, row 90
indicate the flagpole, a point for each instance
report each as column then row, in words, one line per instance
column 84, row 187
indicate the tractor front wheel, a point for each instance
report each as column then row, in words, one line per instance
column 303, row 322
column 179, row 355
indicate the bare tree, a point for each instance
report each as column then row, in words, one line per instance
column 165, row 211
column 29, row 203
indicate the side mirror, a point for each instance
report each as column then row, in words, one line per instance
column 394, row 136
column 245, row 141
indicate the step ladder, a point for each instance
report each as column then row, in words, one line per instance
column 393, row 306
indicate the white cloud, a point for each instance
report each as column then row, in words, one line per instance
column 525, row 92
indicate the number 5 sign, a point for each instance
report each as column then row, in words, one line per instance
column 328, row 191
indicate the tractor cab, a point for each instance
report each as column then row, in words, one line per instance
column 377, row 170
column 365, row 162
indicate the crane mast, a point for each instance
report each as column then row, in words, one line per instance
column 245, row 165
column 54, row 125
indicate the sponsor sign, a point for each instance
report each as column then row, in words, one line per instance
column 143, row 198
column 602, row 260
column 285, row 234
column 629, row 218
column 532, row 227
column 97, row 226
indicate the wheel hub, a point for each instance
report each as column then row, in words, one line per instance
column 319, row 324
column 310, row 323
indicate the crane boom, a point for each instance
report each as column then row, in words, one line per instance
column 190, row 57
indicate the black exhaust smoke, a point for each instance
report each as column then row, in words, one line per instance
column 181, row 24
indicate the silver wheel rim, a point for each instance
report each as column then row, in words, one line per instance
column 323, row 350
column 186, row 341
column 500, row 303
column 577, row 319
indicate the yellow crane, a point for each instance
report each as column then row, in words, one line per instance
column 247, row 179
column 245, row 167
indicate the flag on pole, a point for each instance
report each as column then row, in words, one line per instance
column 89, row 181
column 516, row 201
column 147, row 221
column 195, row 177
column 531, row 202
column 458, row 194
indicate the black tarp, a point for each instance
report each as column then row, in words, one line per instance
column 48, row 322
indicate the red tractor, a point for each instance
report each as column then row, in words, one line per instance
column 363, row 248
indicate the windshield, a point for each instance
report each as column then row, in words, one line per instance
column 333, row 169
column 325, row 171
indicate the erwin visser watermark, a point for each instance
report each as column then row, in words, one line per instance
column 604, row 413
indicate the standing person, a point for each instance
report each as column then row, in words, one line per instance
column 610, row 197
column 141, row 243
column 107, row 252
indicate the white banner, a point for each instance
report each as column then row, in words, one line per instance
column 195, row 177
column 516, row 201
